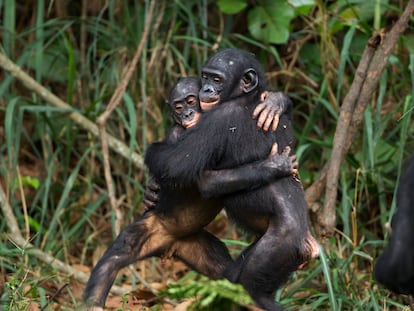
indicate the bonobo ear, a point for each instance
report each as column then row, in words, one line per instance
column 250, row 80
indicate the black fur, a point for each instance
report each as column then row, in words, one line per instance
column 227, row 137
column 395, row 267
column 174, row 226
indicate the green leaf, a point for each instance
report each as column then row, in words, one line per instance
column 270, row 21
column 361, row 10
column 302, row 6
column 27, row 181
column 299, row 3
column 231, row 6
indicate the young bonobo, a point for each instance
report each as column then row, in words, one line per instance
column 395, row 267
column 226, row 137
column 175, row 225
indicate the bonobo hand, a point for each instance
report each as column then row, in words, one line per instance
column 151, row 194
column 281, row 164
column 273, row 105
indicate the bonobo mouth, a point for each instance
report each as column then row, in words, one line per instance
column 208, row 105
column 194, row 121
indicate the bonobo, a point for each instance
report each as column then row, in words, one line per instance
column 224, row 138
column 185, row 109
column 174, row 226
column 395, row 267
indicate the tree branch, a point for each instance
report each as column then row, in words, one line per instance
column 113, row 103
column 351, row 114
column 115, row 144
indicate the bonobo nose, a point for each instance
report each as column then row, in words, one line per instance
column 189, row 114
column 208, row 88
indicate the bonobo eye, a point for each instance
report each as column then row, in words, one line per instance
column 191, row 100
column 178, row 108
column 217, row 79
column 204, row 76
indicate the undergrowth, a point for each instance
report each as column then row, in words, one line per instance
column 52, row 171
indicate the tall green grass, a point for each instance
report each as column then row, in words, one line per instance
column 52, row 169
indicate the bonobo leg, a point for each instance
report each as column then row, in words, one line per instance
column 150, row 236
column 144, row 238
column 267, row 264
column 285, row 245
column 205, row 253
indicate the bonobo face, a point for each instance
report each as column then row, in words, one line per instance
column 228, row 74
column 212, row 82
column 183, row 102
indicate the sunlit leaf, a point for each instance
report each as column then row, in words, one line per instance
column 361, row 10
column 27, row 181
column 299, row 3
column 302, row 6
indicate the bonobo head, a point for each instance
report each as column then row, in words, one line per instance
column 229, row 74
column 183, row 101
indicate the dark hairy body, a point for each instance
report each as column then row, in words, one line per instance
column 174, row 226
column 226, row 137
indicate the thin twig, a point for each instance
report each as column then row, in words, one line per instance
column 45, row 307
column 115, row 144
column 113, row 103
column 16, row 237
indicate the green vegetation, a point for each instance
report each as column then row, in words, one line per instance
column 51, row 169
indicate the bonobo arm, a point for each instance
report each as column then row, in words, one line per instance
column 197, row 149
column 272, row 106
column 202, row 147
column 215, row 183
column 152, row 188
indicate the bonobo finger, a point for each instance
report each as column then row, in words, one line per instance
column 295, row 171
column 148, row 204
column 262, row 119
column 269, row 121
column 274, row 149
column 275, row 122
column 259, row 108
column 150, row 198
column 153, row 185
column 295, row 165
column 286, row 151
column 151, row 195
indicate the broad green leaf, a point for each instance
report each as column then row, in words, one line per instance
column 270, row 21
column 231, row 6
